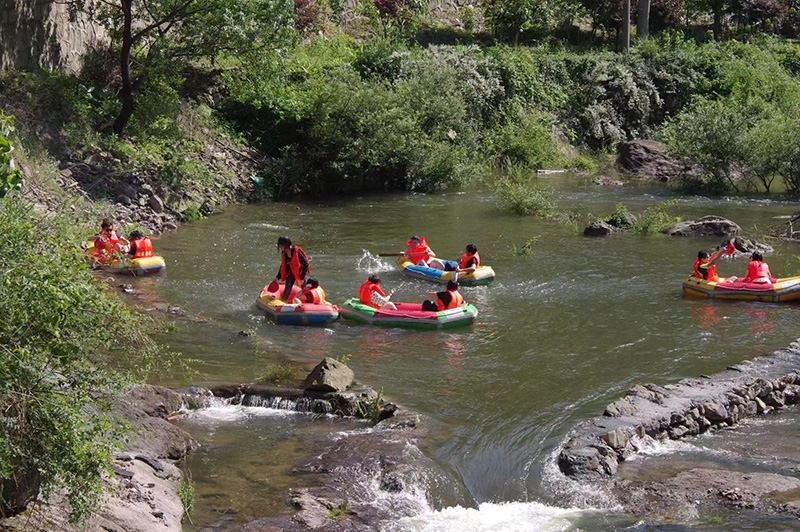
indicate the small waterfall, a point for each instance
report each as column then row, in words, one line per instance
column 301, row 404
column 371, row 264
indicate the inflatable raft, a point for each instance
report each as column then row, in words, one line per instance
column 295, row 314
column 409, row 315
column 778, row 291
column 481, row 276
column 127, row 266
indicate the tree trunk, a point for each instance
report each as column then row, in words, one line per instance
column 643, row 19
column 125, row 70
column 625, row 33
column 717, row 20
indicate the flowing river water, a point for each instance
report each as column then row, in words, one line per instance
column 560, row 334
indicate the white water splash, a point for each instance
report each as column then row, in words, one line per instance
column 221, row 410
column 502, row 517
column 369, row 263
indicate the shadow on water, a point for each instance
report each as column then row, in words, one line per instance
column 560, row 333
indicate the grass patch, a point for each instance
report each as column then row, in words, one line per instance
column 187, row 493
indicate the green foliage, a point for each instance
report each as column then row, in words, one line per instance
column 371, row 410
column 339, row 511
column 525, row 196
column 621, row 217
column 61, row 333
column 526, row 249
column 656, row 219
column 468, row 18
column 344, row 359
column 10, row 176
column 187, row 493
column 281, row 374
column 509, row 19
column 526, row 142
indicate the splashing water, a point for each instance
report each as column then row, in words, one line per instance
column 369, row 263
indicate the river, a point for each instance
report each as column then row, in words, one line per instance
column 560, row 334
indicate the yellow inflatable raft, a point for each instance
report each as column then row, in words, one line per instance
column 126, row 266
column 481, row 276
column 777, row 291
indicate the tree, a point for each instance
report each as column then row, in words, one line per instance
column 625, row 34
column 508, row 19
column 144, row 31
column 643, row 19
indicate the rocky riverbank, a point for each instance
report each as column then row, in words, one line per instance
column 141, row 489
column 653, row 413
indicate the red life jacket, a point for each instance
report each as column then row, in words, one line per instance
column 455, row 301
column 712, row 272
column 757, row 272
column 419, row 253
column 365, row 293
column 144, row 247
column 294, row 264
column 317, row 295
column 466, row 257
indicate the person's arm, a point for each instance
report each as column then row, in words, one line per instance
column 303, row 267
column 430, row 252
column 471, row 266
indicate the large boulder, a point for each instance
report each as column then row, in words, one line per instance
column 599, row 229
column 647, row 158
column 330, row 375
column 706, row 226
column 745, row 246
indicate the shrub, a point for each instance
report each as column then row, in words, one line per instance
column 10, row 177
column 61, row 334
column 280, row 373
column 525, row 197
column 527, row 142
column 509, row 19
column 656, row 219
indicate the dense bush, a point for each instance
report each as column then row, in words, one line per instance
column 61, row 334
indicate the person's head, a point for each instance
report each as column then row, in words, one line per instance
column 107, row 224
column 374, row 279
column 284, row 243
column 472, row 248
column 452, row 285
column 757, row 256
column 312, row 283
column 136, row 235
column 703, row 256
column 416, row 240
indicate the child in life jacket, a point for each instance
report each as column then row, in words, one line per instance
column 705, row 265
column 371, row 294
column 140, row 247
column 107, row 241
column 419, row 253
column 447, row 299
column 312, row 293
column 757, row 270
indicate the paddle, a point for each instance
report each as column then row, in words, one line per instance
column 390, row 254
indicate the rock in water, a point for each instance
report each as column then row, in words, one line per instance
column 706, row 226
column 647, row 158
column 330, row 375
column 599, row 229
column 605, row 181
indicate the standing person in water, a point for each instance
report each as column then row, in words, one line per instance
column 370, row 293
column 445, row 300
column 705, row 265
column 294, row 266
column 419, row 253
column 757, row 270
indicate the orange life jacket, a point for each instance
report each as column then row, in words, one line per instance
column 365, row 292
column 294, row 264
column 455, row 301
column 317, row 295
column 144, row 247
column 712, row 271
column 466, row 257
column 419, row 253
column 757, row 272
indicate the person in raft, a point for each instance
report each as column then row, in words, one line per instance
column 312, row 293
column 705, row 265
column 470, row 261
column 141, row 246
column 371, row 294
column 757, row 270
column 294, row 266
column 108, row 242
column 449, row 298
column 419, row 253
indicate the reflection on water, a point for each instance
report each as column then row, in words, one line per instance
column 559, row 335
